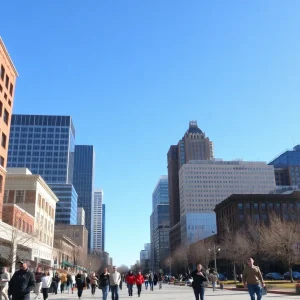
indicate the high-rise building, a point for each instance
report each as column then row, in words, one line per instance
column 159, row 224
column 204, row 184
column 84, row 182
column 103, row 226
column 193, row 146
column 80, row 216
column 8, row 76
column 287, row 167
column 45, row 145
column 97, row 236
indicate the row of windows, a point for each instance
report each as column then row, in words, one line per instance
column 39, row 135
column 39, row 142
column 38, row 147
column 4, row 77
column 264, row 205
column 15, row 128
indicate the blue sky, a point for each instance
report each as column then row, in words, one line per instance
column 133, row 73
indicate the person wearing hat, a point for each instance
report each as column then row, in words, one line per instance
column 21, row 283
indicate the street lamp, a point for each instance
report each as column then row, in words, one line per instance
column 216, row 249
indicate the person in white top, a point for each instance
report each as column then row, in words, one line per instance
column 114, row 280
column 5, row 276
column 73, row 282
column 46, row 283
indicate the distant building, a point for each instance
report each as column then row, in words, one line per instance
column 287, row 167
column 8, row 76
column 237, row 208
column 103, row 227
column 193, row 146
column 204, row 184
column 97, row 219
column 80, row 216
column 84, row 166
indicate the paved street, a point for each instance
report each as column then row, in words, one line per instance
column 170, row 293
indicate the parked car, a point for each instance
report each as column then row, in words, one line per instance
column 296, row 275
column 274, row 276
column 222, row 277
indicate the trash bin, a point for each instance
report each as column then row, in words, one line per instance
column 221, row 285
column 298, row 288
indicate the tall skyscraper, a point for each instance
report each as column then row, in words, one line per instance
column 45, row 145
column 159, row 224
column 204, row 184
column 193, row 146
column 98, row 221
column 83, row 181
column 8, row 76
column 103, row 227
column 287, row 167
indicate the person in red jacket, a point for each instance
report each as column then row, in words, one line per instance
column 130, row 280
column 139, row 279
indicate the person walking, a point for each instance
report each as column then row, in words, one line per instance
column 104, row 283
column 150, row 280
column 213, row 277
column 46, row 283
column 38, row 282
column 146, row 278
column 55, row 282
column 69, row 283
column 139, row 279
column 87, row 280
column 73, row 282
column 160, row 280
column 114, row 280
column 21, row 283
column 80, row 283
column 254, row 280
column 94, row 283
column 199, row 282
column 5, row 276
column 63, row 282
column 130, row 280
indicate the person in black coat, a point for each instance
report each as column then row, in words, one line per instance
column 199, row 282
column 80, row 283
column 21, row 283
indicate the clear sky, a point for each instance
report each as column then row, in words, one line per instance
column 133, row 73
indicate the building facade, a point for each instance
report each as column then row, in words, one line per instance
column 287, row 167
column 46, row 145
column 32, row 194
column 204, row 184
column 84, row 182
column 8, row 76
column 236, row 209
column 80, row 216
column 193, row 146
column 97, row 219
column 103, row 227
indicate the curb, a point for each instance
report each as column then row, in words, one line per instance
column 269, row 292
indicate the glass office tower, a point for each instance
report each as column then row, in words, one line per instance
column 83, row 182
column 45, row 145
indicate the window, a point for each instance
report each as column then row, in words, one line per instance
column 6, row 116
column 6, row 81
column 240, row 206
column 2, row 72
column 20, row 196
column 1, row 108
column 5, row 197
column 3, row 140
column 1, row 88
column 271, row 205
column 255, row 205
column 263, row 205
column 11, row 88
column 2, row 161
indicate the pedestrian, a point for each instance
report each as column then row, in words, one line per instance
column 146, row 278
column 5, row 277
column 80, row 283
column 94, row 283
column 21, row 283
column 73, row 282
column 130, row 280
column 150, row 279
column 213, row 278
column 104, row 283
column 46, row 283
column 254, row 280
column 38, row 282
column 155, row 279
column 114, row 279
column 139, row 279
column 63, row 282
column 87, row 280
column 69, row 283
column 160, row 279
column 199, row 282
column 55, row 282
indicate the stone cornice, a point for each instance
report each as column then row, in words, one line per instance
column 8, row 57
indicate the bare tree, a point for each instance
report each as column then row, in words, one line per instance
column 200, row 252
column 180, row 258
column 279, row 240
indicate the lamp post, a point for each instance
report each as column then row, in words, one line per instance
column 216, row 249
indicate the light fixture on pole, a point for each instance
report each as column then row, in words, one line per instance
column 216, row 249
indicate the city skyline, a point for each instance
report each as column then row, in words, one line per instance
column 231, row 66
